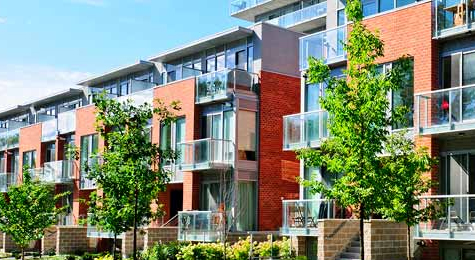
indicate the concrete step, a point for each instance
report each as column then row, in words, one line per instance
column 353, row 249
column 355, row 243
column 350, row 255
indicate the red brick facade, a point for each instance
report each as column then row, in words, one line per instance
column 279, row 96
column 30, row 140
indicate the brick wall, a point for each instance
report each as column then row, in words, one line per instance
column 385, row 240
column 48, row 242
column 279, row 96
column 30, row 139
column 184, row 92
column 71, row 239
column 334, row 235
column 128, row 242
column 159, row 235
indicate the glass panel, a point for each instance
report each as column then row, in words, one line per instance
column 369, row 7
column 326, row 45
column 385, row 5
column 404, row 97
column 452, row 254
column 468, row 69
column 400, row 3
column 246, row 206
column 312, row 95
column 247, row 135
column 451, row 71
column 450, row 13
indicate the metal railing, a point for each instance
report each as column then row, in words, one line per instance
column 453, row 17
column 300, row 217
column 49, row 130
column 326, row 45
column 205, row 154
column 67, row 122
column 446, row 110
column 305, row 129
column 202, row 226
column 240, row 5
column 139, row 98
column 65, row 220
column 219, row 85
column 455, row 221
column 84, row 182
column 299, row 16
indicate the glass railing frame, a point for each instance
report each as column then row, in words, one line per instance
column 212, row 162
column 450, row 230
column 7, row 179
column 210, row 234
column 306, row 229
column 57, row 174
column 281, row 20
column 304, row 53
column 252, row 4
column 455, row 29
column 323, row 132
column 451, row 126
column 226, row 91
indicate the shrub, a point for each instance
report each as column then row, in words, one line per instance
column 50, row 252
column 240, row 250
column 104, row 257
column 162, row 251
column 70, row 257
column 201, row 251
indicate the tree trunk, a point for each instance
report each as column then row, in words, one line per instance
column 22, row 253
column 135, row 225
column 409, row 243
column 362, row 231
column 114, row 247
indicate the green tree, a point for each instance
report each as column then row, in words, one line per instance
column 405, row 166
column 128, row 177
column 358, row 108
column 28, row 209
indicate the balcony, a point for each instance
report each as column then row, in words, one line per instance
column 326, row 45
column 221, row 85
column 305, row 130
column 301, row 20
column 139, row 98
column 58, row 172
column 10, row 139
column 200, row 226
column 457, row 221
column 65, row 220
column 452, row 17
column 300, row 217
column 67, row 122
column 249, row 9
column 49, row 130
column 446, row 110
column 205, row 154
column 7, row 179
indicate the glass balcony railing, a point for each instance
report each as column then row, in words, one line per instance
column 305, row 129
column 205, row 154
column 65, row 220
column 96, row 232
column 67, row 122
column 49, row 130
column 240, row 5
column 7, row 179
column 456, row 221
column 453, row 17
column 58, row 172
column 300, row 217
column 446, row 110
column 220, row 85
column 302, row 15
column 200, row 226
column 10, row 139
column 326, row 45
column 139, row 98
column 84, row 182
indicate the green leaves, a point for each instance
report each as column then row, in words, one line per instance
column 28, row 209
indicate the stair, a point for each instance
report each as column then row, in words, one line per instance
column 352, row 252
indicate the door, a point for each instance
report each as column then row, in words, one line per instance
column 176, row 202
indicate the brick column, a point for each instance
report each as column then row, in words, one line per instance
column 191, row 190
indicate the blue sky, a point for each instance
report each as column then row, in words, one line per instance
column 48, row 45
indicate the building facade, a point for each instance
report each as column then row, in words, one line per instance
column 246, row 105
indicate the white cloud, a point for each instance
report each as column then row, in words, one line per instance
column 23, row 83
column 90, row 2
column 3, row 20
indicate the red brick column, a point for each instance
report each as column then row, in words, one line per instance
column 191, row 190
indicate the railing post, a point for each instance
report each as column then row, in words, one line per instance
column 427, row 112
column 461, row 100
column 251, row 249
column 450, row 108
column 449, row 219
column 271, row 246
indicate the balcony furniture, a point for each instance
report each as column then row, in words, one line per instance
column 458, row 12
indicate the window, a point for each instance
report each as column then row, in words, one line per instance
column 468, row 69
column 89, row 148
column 369, row 7
column 3, row 165
column 171, row 135
column 451, row 71
column 400, row 3
column 341, row 18
column 247, row 135
column 404, row 96
column 50, row 154
column 29, row 159
column 385, row 5
column 313, row 92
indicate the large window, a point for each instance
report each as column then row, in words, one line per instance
column 29, row 159
column 371, row 7
column 171, row 135
column 247, row 137
column 89, row 148
column 458, row 69
column 50, row 152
